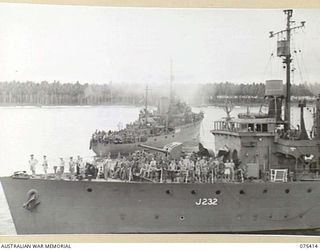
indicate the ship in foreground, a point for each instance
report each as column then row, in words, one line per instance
column 263, row 179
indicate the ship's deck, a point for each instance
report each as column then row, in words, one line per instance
column 146, row 180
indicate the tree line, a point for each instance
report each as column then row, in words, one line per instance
column 253, row 92
column 56, row 93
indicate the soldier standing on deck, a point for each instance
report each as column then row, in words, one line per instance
column 172, row 170
column 71, row 167
column 198, row 170
column 82, row 168
column 45, row 166
column 78, row 166
column 33, row 162
column 61, row 165
column 108, row 168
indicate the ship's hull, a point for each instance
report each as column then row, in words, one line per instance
column 91, row 207
column 188, row 135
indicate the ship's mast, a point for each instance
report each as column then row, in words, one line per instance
column 284, row 51
column 170, row 96
column 287, row 62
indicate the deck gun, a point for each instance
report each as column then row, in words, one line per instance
column 172, row 150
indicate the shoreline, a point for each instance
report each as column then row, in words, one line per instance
column 68, row 105
column 215, row 104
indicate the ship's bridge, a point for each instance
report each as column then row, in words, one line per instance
column 254, row 125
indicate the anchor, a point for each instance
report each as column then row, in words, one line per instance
column 33, row 200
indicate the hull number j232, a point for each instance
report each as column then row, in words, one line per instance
column 207, row 202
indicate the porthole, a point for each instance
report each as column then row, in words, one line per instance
column 89, row 190
column 242, row 192
column 166, row 137
column 309, row 190
column 181, row 218
column 218, row 192
column 265, row 191
column 193, row 192
column 168, row 192
column 287, row 191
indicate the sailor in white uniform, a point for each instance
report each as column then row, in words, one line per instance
column 33, row 163
column 45, row 166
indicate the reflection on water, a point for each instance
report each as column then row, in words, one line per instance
column 66, row 131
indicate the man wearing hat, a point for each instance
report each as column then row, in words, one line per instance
column 72, row 165
column 62, row 164
column 32, row 163
column 45, row 166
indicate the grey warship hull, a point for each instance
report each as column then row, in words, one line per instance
column 100, row 207
column 187, row 134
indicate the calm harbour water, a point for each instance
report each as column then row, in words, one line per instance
column 66, row 131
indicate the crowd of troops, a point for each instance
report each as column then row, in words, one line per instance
column 156, row 167
column 74, row 168
column 138, row 132
column 146, row 166
column 118, row 137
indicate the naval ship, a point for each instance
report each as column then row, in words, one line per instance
column 172, row 121
column 278, row 189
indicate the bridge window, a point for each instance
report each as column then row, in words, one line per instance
column 244, row 126
column 264, row 127
column 258, row 128
column 250, row 127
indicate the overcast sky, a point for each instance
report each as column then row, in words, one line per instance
column 103, row 44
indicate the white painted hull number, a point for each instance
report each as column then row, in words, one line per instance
column 207, row 202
